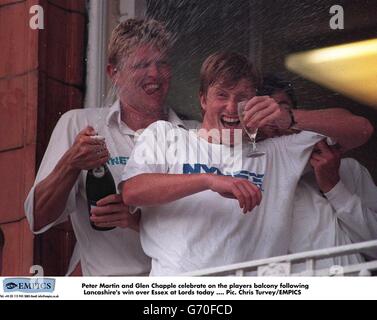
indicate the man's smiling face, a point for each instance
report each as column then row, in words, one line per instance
column 220, row 106
column 143, row 80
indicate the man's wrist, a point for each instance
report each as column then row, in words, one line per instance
column 65, row 167
column 207, row 180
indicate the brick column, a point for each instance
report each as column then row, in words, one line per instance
column 41, row 77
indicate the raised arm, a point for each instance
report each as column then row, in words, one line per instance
column 349, row 130
column 350, row 190
column 151, row 189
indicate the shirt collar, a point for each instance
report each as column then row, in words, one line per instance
column 173, row 119
column 114, row 117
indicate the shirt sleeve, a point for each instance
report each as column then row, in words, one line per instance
column 294, row 150
column 354, row 199
column 151, row 152
column 61, row 140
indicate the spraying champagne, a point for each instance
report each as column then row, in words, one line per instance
column 99, row 184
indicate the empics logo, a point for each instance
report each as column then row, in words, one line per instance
column 29, row 285
column 11, row 285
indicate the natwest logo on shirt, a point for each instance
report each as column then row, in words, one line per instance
column 119, row 160
column 255, row 178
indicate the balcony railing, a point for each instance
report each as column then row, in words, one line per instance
column 282, row 265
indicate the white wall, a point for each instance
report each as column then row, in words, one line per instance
column 132, row 9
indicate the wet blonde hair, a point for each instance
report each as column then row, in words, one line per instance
column 131, row 33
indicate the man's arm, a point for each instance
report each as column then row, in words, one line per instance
column 146, row 182
column 351, row 193
column 51, row 194
column 325, row 161
column 349, row 131
column 151, row 189
column 354, row 199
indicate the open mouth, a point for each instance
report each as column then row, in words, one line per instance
column 151, row 88
column 230, row 122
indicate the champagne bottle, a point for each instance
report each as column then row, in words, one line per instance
column 99, row 184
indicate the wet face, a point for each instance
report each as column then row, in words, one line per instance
column 220, row 107
column 143, row 80
column 270, row 131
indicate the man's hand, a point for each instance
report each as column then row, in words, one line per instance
column 263, row 110
column 248, row 195
column 51, row 194
column 325, row 162
column 112, row 212
column 87, row 152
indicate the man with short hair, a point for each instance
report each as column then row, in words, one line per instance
column 195, row 222
column 140, row 72
column 335, row 202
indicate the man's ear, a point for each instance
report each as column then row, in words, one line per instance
column 203, row 101
column 111, row 71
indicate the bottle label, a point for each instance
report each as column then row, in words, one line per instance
column 99, row 172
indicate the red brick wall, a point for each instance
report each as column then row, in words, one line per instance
column 61, row 88
column 18, row 106
column 41, row 77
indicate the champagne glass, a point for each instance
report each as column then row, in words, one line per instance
column 252, row 133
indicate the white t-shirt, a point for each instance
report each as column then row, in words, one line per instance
column 348, row 214
column 114, row 252
column 206, row 230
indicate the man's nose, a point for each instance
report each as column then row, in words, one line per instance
column 153, row 70
column 232, row 106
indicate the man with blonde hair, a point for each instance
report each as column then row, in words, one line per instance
column 139, row 69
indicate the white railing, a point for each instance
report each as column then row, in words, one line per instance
column 281, row 265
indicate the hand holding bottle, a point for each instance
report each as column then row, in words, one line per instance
column 112, row 212
column 87, row 152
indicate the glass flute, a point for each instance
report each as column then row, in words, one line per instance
column 252, row 133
